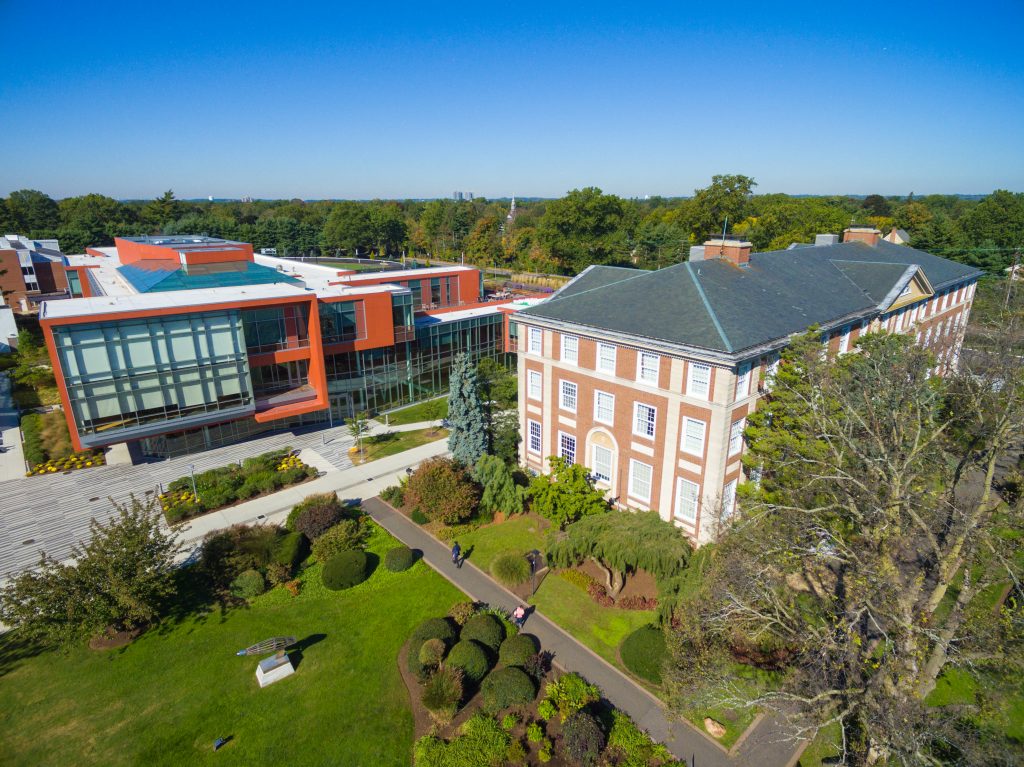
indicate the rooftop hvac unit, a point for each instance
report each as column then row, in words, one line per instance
column 696, row 252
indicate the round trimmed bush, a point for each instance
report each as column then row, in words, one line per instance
column 399, row 559
column 248, row 585
column 582, row 739
column 345, row 570
column 432, row 652
column 485, row 629
column 435, row 628
column 510, row 569
column 471, row 658
column 461, row 612
column 643, row 652
column 507, row 687
column 517, row 650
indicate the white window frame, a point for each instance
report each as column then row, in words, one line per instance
column 530, row 423
column 736, row 436
column 864, row 325
column 640, row 367
column 650, row 421
column 729, row 500
column 535, row 380
column 771, row 370
column 562, row 439
column 602, row 348
column 610, row 420
column 743, row 381
column 570, row 349
column 844, row 340
column 535, row 341
column 691, row 381
column 633, row 463
column 692, row 503
column 562, row 395
column 684, row 435
column 593, row 464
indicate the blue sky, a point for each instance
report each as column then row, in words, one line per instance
column 391, row 100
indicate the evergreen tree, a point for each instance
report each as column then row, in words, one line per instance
column 499, row 488
column 468, row 438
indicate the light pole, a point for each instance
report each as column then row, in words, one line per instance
column 532, row 556
column 192, row 473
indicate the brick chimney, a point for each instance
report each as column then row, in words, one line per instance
column 867, row 234
column 736, row 251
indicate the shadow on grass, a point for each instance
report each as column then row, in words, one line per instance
column 14, row 648
column 302, row 645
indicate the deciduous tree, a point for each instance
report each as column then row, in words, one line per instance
column 566, row 494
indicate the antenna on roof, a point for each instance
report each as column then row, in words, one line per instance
column 725, row 224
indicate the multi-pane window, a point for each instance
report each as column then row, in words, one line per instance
column 533, row 384
column 568, row 398
column 536, row 339
column 928, row 336
column 698, row 381
column 864, row 324
column 743, row 380
column 729, row 500
column 602, row 463
column 604, row 407
column 533, row 437
column 606, row 358
column 570, row 349
column 844, row 340
column 736, row 436
column 687, row 497
column 771, row 371
column 641, row 476
column 644, row 417
column 693, row 436
column 647, row 367
column 567, row 448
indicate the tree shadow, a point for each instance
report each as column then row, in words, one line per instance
column 15, row 648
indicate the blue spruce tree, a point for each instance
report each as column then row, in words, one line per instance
column 468, row 438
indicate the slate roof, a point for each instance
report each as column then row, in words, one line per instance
column 721, row 307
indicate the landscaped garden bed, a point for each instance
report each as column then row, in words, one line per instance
column 392, row 442
column 227, row 485
column 47, row 445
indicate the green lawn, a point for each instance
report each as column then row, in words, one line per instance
column 165, row 698
column 397, row 441
column 520, row 534
column 827, row 744
column 418, row 413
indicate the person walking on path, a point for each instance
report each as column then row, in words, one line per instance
column 519, row 616
column 456, row 553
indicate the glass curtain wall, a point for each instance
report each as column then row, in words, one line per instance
column 341, row 321
column 276, row 327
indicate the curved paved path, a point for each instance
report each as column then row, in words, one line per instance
column 761, row 747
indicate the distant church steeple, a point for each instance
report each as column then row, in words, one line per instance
column 512, row 210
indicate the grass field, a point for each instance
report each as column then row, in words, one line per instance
column 421, row 411
column 397, row 441
column 519, row 534
column 165, row 698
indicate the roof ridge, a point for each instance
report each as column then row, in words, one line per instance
column 639, row 273
column 707, row 306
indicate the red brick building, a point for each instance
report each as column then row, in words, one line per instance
column 647, row 377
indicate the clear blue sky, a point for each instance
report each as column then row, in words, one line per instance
column 529, row 98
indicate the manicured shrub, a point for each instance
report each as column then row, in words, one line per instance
column 643, row 653
column 442, row 490
column 517, row 650
column 631, row 745
column 418, row 517
column 544, row 753
column 510, row 568
column 278, row 574
column 394, row 495
column 582, row 739
column 507, row 687
column 248, row 585
column 570, row 693
column 344, row 570
column 471, row 658
column 32, row 444
column 485, row 629
column 538, row 665
column 482, row 743
column 260, row 483
column 291, row 549
column 516, row 753
column 399, row 559
column 509, row 721
column 315, row 515
column 534, row 732
column 435, row 628
column 547, row 710
column 461, row 612
column 347, row 534
column 227, row 553
column 442, row 693
column 432, row 652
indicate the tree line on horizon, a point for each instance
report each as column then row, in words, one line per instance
column 561, row 236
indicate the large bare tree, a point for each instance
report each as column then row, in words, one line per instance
column 870, row 553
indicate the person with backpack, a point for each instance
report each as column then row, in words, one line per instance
column 456, row 554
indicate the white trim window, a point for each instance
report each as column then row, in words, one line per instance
column 534, row 384
column 970, row 290
column 567, row 447
column 844, row 339
column 601, row 463
column 771, row 370
column 570, row 349
column 698, row 380
column 641, row 477
column 692, row 437
column 535, row 341
column 743, row 380
column 604, row 407
column 568, row 399
column 645, row 418
column 928, row 336
column 945, row 299
column 729, row 500
column 687, row 500
column 736, row 436
column 606, row 358
column 864, row 325
column 533, row 438
column 647, row 365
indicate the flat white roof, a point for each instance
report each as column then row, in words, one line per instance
column 477, row 311
column 171, row 299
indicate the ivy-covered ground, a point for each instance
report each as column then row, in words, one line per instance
column 166, row 697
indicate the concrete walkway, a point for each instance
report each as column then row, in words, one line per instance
column 12, row 458
column 686, row 743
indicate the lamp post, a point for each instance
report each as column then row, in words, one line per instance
column 192, row 473
column 532, row 557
